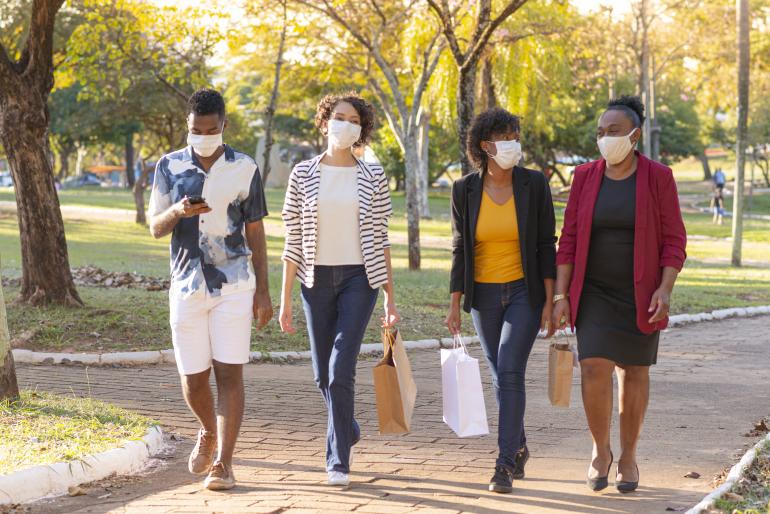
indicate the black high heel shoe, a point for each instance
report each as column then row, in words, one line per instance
column 625, row 486
column 599, row 483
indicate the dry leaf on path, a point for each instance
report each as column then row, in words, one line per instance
column 76, row 490
column 692, row 474
column 732, row 497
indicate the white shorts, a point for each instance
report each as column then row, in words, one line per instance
column 205, row 328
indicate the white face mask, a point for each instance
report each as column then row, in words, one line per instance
column 342, row 134
column 205, row 146
column 615, row 148
column 508, row 153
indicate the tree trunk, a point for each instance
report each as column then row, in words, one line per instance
column 412, row 161
column 64, row 161
column 488, row 95
column 424, row 174
column 139, row 186
column 81, row 154
column 764, row 167
column 46, row 276
column 9, row 387
column 130, row 160
column 270, row 110
column 466, row 94
column 742, row 19
column 704, row 161
column 644, row 80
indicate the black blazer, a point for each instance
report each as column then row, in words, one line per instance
column 537, row 231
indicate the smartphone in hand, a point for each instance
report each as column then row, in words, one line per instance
column 195, row 199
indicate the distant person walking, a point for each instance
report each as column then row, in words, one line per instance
column 336, row 214
column 718, row 199
column 719, row 210
column 209, row 198
column 621, row 249
column 719, row 179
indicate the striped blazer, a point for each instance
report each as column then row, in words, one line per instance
column 300, row 216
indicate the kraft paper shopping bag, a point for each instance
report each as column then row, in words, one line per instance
column 560, row 364
column 394, row 386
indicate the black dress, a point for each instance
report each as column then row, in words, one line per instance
column 606, row 322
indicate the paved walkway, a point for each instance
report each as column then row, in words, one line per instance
column 710, row 385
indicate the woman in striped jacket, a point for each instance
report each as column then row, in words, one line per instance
column 336, row 215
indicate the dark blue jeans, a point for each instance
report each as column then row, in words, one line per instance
column 507, row 326
column 337, row 309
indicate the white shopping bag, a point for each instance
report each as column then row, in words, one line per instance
column 464, row 409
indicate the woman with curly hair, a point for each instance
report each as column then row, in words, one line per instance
column 621, row 249
column 336, row 215
column 503, row 262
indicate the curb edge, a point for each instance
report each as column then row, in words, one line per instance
column 735, row 473
column 167, row 356
column 45, row 480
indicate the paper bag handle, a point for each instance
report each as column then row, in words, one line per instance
column 459, row 343
column 389, row 335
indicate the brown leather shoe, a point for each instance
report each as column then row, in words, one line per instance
column 220, row 478
column 203, row 453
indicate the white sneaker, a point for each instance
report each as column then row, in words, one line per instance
column 338, row 478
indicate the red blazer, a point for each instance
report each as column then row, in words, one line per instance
column 659, row 239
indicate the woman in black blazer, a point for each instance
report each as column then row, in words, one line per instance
column 503, row 261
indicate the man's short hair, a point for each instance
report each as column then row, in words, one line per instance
column 206, row 101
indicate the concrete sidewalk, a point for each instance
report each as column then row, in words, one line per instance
column 711, row 384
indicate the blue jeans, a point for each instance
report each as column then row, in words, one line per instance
column 337, row 309
column 507, row 326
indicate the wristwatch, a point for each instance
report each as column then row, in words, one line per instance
column 558, row 297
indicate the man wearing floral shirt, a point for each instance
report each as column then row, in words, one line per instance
column 210, row 199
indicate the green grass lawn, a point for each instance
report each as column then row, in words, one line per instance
column 43, row 428
column 133, row 319
column 111, row 198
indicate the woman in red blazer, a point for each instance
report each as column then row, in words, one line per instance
column 621, row 249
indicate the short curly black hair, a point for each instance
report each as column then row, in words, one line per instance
column 632, row 106
column 206, row 101
column 364, row 109
column 490, row 123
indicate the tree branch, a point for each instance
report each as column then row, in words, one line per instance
column 428, row 67
column 379, row 11
column 332, row 13
column 445, row 18
column 39, row 44
column 483, row 15
column 475, row 52
column 390, row 114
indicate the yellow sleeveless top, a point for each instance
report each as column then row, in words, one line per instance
column 497, row 252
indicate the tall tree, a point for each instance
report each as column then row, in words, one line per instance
column 742, row 22
column 467, row 60
column 26, row 79
column 398, row 64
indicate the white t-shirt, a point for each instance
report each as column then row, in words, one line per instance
column 339, row 234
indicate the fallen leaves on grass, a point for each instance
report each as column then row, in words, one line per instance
column 95, row 276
